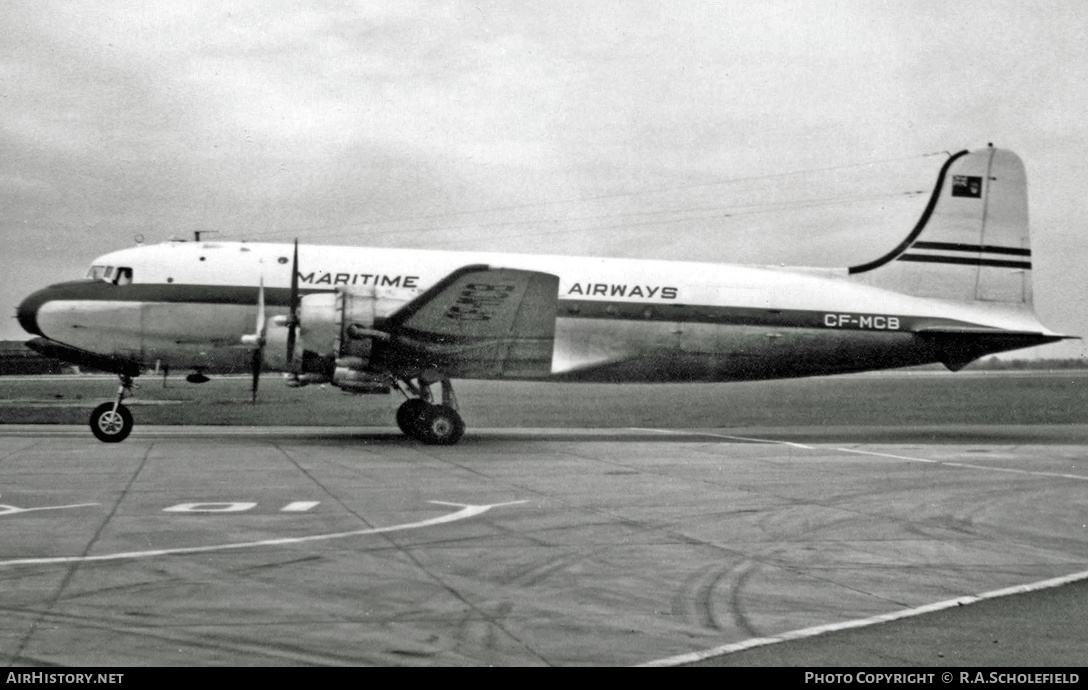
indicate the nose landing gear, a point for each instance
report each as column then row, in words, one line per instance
column 111, row 422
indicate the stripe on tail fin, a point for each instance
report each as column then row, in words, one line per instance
column 971, row 243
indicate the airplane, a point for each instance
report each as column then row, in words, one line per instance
column 956, row 288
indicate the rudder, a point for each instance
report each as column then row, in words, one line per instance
column 971, row 242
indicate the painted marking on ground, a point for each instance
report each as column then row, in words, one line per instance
column 299, row 506
column 466, row 511
column 237, row 507
column 863, row 622
column 731, row 438
column 11, row 510
column 965, row 465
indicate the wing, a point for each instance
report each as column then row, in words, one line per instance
column 477, row 322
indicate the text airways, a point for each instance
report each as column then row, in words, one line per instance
column 623, row 290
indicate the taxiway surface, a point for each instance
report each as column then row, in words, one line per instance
column 264, row 546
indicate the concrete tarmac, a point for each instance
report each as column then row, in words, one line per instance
column 317, row 546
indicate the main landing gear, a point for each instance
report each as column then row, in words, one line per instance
column 419, row 417
column 111, row 422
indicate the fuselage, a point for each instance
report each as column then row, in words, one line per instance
column 188, row 304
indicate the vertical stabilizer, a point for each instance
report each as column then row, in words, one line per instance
column 971, row 243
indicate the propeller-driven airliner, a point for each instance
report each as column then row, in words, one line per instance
column 956, row 288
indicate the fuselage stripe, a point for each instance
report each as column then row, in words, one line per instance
column 964, row 261
column 979, row 248
column 612, row 310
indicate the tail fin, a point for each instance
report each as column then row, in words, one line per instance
column 971, row 243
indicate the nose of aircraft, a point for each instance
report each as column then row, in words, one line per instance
column 27, row 311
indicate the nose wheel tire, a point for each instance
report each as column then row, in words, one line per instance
column 111, row 426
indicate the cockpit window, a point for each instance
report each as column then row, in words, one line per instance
column 118, row 275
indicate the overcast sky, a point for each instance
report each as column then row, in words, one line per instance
column 747, row 132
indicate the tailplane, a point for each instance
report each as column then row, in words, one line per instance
column 971, row 243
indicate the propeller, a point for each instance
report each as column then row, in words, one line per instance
column 257, row 340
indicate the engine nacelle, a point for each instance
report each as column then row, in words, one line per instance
column 335, row 336
column 324, row 320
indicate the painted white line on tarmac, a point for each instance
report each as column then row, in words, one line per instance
column 863, row 622
column 732, row 438
column 466, row 511
column 12, row 510
column 299, row 506
column 965, row 465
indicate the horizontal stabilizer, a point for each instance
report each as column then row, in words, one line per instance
column 957, row 347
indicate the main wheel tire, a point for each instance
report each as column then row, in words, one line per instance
column 441, row 426
column 109, row 426
column 410, row 416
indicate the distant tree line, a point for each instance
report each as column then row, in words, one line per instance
column 995, row 364
column 16, row 359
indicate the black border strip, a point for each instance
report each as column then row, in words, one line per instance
column 964, row 261
column 957, row 247
column 921, row 225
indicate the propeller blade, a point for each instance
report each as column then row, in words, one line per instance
column 258, row 339
column 292, row 324
column 255, row 365
column 261, row 326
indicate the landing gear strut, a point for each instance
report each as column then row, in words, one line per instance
column 111, row 422
column 436, row 424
